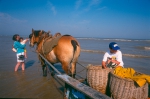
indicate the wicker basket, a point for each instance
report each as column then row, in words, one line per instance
column 97, row 78
column 122, row 88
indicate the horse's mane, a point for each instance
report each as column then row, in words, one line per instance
column 36, row 32
column 66, row 35
column 57, row 34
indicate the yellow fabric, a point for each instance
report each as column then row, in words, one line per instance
column 25, row 50
column 129, row 73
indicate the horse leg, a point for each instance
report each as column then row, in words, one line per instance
column 65, row 67
column 44, row 67
column 69, row 70
column 52, row 70
column 73, row 69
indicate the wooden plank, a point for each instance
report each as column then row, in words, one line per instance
column 88, row 91
column 82, row 87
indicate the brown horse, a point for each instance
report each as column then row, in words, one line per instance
column 66, row 52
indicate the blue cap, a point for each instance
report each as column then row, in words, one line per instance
column 114, row 46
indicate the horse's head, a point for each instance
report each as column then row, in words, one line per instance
column 35, row 37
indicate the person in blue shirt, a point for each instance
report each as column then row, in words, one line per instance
column 19, row 52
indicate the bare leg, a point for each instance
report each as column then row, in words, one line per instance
column 25, row 54
column 17, row 65
column 23, row 66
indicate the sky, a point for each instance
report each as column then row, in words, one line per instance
column 79, row 18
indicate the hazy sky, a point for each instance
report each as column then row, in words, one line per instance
column 79, row 18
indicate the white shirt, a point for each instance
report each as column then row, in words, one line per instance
column 117, row 56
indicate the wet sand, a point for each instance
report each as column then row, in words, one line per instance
column 27, row 84
column 30, row 83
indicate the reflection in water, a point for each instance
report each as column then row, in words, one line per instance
column 29, row 63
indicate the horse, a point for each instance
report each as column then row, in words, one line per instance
column 65, row 52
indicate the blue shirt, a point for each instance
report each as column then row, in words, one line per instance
column 19, row 47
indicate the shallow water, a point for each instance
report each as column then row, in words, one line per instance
column 136, row 53
column 27, row 84
column 31, row 83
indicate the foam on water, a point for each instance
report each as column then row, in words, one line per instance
column 129, row 55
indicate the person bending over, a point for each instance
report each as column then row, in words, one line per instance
column 112, row 58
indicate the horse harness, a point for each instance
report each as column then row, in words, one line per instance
column 49, row 42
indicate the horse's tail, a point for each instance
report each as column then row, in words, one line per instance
column 76, row 53
column 74, row 44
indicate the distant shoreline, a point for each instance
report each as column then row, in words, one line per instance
column 96, row 38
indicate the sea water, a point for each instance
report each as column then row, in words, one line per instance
column 136, row 52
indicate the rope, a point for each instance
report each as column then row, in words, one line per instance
column 82, row 65
column 81, row 70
